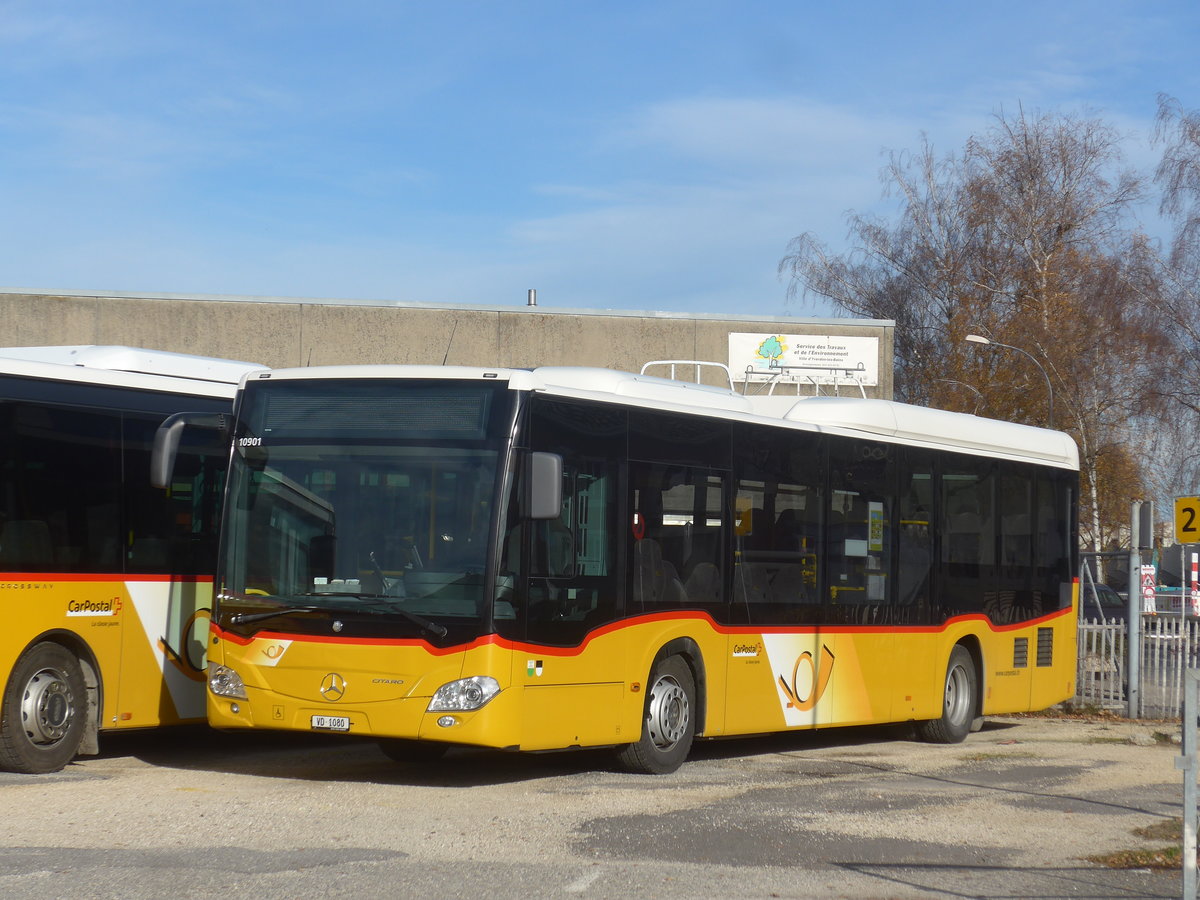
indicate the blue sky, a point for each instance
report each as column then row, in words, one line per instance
column 652, row 155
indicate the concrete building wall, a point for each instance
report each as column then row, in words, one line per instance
column 280, row 332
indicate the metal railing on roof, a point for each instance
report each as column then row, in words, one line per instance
column 697, row 364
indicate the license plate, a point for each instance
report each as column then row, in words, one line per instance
column 331, row 723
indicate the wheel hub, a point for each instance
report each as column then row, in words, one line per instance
column 957, row 695
column 669, row 713
column 46, row 708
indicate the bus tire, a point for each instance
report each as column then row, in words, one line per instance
column 959, row 701
column 44, row 711
column 404, row 750
column 669, row 722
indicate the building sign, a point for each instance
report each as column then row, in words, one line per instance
column 805, row 358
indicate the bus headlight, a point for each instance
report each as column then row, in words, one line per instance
column 225, row 682
column 465, row 694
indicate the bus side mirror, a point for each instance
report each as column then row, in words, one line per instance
column 545, row 485
column 167, row 438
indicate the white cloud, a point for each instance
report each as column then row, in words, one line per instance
column 748, row 133
column 743, row 177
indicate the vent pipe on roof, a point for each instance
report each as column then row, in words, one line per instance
column 532, row 298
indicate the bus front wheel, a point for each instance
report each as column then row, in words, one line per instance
column 44, row 711
column 669, row 723
column 959, row 701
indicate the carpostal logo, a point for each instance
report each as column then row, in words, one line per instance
column 747, row 649
column 110, row 607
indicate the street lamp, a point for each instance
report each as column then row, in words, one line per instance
column 980, row 339
column 976, row 391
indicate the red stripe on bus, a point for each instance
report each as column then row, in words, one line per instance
column 669, row 616
column 87, row 576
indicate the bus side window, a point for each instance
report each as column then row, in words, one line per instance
column 968, row 538
column 915, row 562
column 677, row 537
column 1055, row 525
column 25, row 545
column 571, row 585
column 64, row 488
column 172, row 530
column 862, row 499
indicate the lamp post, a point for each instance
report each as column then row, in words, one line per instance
column 980, row 339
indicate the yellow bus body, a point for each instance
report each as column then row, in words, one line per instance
column 141, row 637
column 750, row 681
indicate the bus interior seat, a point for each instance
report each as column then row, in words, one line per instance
column 647, row 569
column 751, row 583
column 787, row 587
column 703, row 585
column 655, row 580
column 553, row 550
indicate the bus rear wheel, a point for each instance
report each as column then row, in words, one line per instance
column 959, row 701
column 669, row 723
column 44, row 711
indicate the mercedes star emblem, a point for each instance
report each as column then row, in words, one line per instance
column 333, row 686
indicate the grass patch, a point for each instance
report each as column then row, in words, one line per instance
column 1170, row 857
column 1162, row 858
column 1166, row 830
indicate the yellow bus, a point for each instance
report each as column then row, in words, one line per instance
column 105, row 582
column 572, row 557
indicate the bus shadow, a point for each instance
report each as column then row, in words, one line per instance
column 332, row 758
column 327, row 758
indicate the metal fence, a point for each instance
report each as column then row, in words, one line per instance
column 1170, row 646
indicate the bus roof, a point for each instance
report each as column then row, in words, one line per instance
column 132, row 367
column 885, row 419
column 845, row 415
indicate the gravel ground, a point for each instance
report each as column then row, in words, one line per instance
column 1012, row 812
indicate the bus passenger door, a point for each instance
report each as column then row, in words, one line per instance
column 861, row 613
column 780, row 663
column 571, row 667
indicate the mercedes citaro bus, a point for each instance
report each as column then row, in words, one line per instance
column 574, row 557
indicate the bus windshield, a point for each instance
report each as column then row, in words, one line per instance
column 369, row 517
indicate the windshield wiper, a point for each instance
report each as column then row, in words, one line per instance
column 420, row 621
column 246, row 618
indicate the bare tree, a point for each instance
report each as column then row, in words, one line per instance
column 1025, row 239
column 1174, row 286
column 910, row 271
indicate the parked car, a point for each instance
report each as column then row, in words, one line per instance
column 1098, row 601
